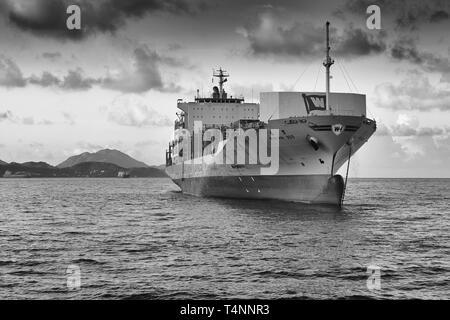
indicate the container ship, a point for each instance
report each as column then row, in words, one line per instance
column 222, row 144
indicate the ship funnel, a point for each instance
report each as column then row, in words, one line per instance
column 216, row 93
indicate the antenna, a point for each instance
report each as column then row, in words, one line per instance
column 222, row 75
column 327, row 64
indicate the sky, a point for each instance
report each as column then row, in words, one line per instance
column 115, row 83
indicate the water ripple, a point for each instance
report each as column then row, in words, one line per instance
column 143, row 239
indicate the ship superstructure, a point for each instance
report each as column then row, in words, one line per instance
column 308, row 135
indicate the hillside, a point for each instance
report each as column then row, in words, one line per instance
column 85, row 169
column 106, row 156
column 34, row 171
column 147, row 172
column 2, row 162
column 101, row 169
column 40, row 164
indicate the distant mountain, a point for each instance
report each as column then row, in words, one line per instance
column 94, row 169
column 2, row 162
column 84, row 169
column 102, row 169
column 33, row 171
column 107, row 155
column 40, row 164
column 160, row 167
column 150, row 172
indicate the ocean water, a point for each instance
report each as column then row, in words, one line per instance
column 143, row 239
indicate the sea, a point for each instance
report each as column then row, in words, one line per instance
column 113, row 238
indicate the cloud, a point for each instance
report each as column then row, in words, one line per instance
column 270, row 36
column 144, row 74
column 132, row 110
column 415, row 156
column 27, row 120
column 409, row 126
column 42, row 17
column 47, row 18
column 138, row 8
column 413, row 93
column 411, row 15
column 356, row 43
column 404, row 14
column 47, row 79
column 249, row 90
column 7, row 115
column 74, row 80
column 10, row 74
column 405, row 49
column 439, row 16
column 147, row 143
column 84, row 146
column 68, row 118
column 174, row 47
column 46, row 122
column 52, row 56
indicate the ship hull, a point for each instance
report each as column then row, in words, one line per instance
column 305, row 174
column 317, row 189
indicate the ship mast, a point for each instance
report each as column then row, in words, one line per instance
column 222, row 75
column 327, row 64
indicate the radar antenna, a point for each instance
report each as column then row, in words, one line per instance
column 222, row 75
column 327, row 64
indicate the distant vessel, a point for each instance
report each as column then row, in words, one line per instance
column 315, row 134
column 123, row 174
column 19, row 174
